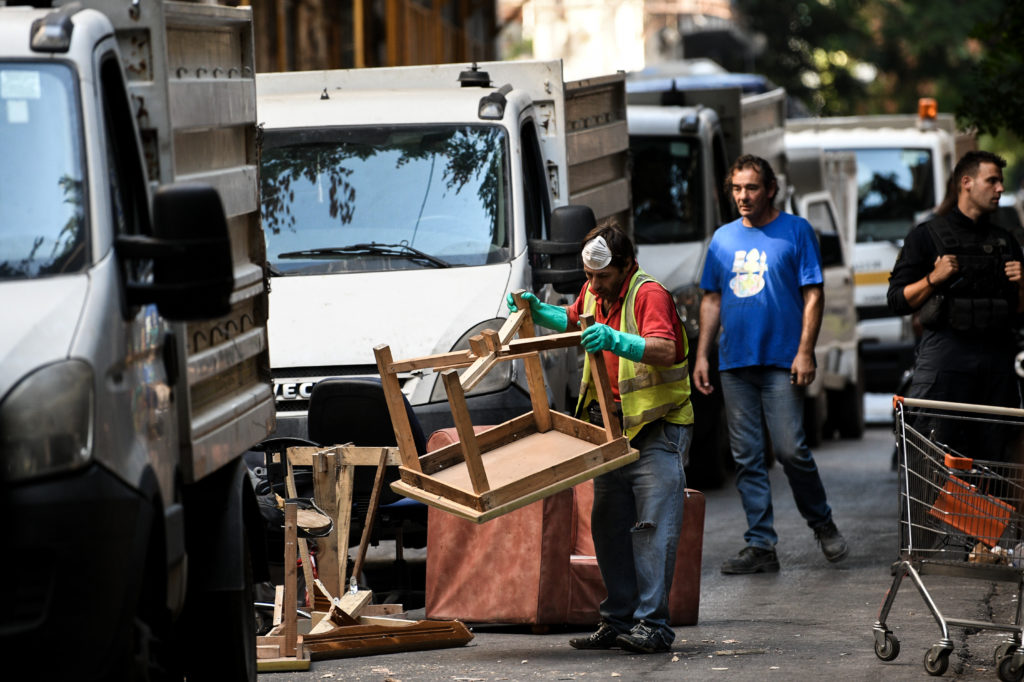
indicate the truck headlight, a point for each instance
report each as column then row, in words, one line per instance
column 46, row 421
column 498, row 379
column 687, row 300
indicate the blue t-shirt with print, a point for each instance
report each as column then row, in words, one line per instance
column 759, row 272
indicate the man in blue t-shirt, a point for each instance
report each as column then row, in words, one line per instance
column 762, row 285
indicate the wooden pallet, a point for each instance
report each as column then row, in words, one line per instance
column 518, row 462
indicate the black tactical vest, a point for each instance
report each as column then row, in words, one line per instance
column 979, row 297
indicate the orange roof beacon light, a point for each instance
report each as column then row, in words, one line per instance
column 927, row 112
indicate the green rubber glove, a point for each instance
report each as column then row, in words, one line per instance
column 602, row 337
column 544, row 314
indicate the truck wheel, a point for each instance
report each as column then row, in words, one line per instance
column 228, row 619
column 814, row 420
column 710, row 456
column 846, row 411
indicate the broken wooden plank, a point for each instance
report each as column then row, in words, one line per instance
column 366, row 640
column 371, row 513
column 266, row 663
column 357, row 455
column 353, row 604
column 382, row 610
column 290, row 580
column 324, row 477
column 511, row 326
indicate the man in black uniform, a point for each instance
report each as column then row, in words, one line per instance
column 962, row 275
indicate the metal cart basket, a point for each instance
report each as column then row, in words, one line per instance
column 959, row 517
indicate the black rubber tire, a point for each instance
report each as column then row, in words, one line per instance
column 227, row 617
column 890, row 650
column 1006, row 672
column 1003, row 649
column 846, row 412
column 936, row 665
column 814, row 420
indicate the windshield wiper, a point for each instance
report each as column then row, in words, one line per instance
column 402, row 250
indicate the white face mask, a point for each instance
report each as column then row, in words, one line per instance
column 596, row 254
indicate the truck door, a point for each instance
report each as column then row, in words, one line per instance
column 839, row 321
column 137, row 382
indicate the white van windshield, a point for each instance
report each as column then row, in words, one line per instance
column 894, row 186
column 384, row 198
column 42, row 206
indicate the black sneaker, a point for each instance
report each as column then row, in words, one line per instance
column 752, row 560
column 833, row 546
column 602, row 638
column 643, row 639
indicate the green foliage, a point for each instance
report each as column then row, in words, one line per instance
column 880, row 56
column 811, row 49
column 997, row 100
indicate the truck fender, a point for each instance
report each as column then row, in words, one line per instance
column 221, row 512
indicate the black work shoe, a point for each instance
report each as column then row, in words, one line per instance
column 602, row 638
column 833, row 546
column 752, row 560
column 643, row 639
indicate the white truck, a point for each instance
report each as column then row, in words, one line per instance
column 903, row 165
column 401, row 206
column 133, row 368
column 682, row 141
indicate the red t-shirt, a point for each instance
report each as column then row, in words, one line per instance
column 655, row 316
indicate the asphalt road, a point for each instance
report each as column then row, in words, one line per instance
column 810, row 621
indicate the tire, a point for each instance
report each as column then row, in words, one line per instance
column 224, row 617
column 890, row 650
column 710, row 455
column 1007, row 673
column 936, row 663
column 814, row 420
column 846, row 410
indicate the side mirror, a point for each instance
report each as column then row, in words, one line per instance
column 192, row 275
column 558, row 261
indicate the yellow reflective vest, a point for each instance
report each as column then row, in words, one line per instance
column 647, row 392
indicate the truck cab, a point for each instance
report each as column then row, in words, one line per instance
column 403, row 205
column 903, row 165
column 129, row 389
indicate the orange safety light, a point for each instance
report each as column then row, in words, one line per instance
column 927, row 112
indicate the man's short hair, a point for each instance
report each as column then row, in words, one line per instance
column 763, row 168
column 621, row 246
column 967, row 166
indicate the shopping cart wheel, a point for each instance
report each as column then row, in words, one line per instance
column 936, row 660
column 1009, row 671
column 889, row 649
column 1004, row 649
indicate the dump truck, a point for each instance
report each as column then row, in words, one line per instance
column 402, row 205
column 134, row 371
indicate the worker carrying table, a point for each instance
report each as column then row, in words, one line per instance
column 638, row 509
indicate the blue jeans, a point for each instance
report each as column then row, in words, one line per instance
column 636, row 521
column 747, row 392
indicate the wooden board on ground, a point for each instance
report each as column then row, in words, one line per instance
column 368, row 640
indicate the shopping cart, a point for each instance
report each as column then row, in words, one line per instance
column 960, row 517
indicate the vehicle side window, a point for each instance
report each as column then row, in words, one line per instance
column 819, row 215
column 537, row 205
column 126, row 179
column 726, row 207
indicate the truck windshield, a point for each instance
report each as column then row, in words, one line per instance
column 894, row 186
column 434, row 196
column 42, row 206
column 667, row 190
